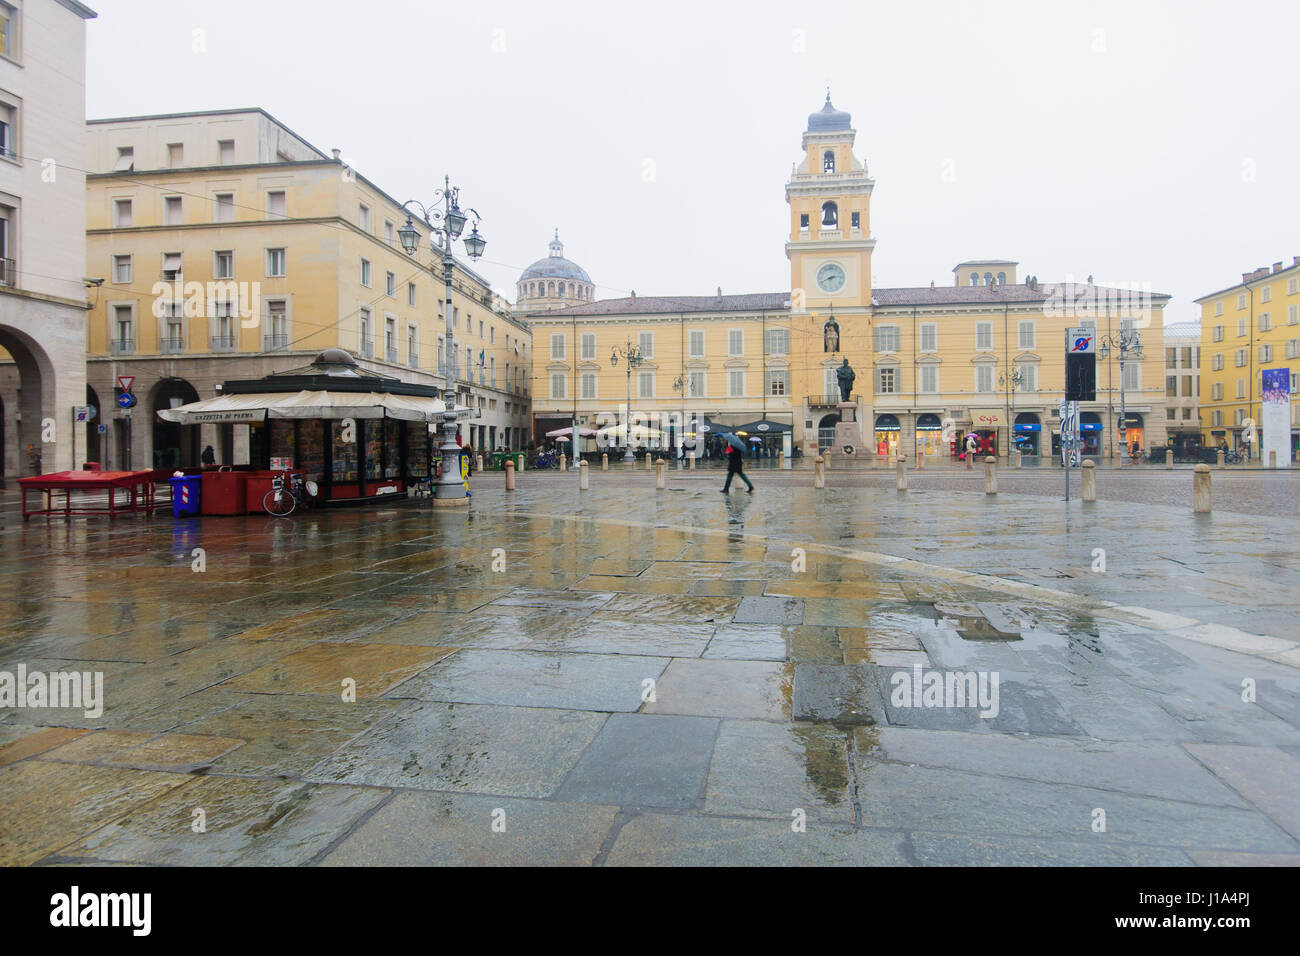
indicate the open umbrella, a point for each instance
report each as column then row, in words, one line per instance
column 735, row 441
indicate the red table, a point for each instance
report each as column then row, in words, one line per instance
column 139, row 484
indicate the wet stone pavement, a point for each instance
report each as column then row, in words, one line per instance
column 632, row 676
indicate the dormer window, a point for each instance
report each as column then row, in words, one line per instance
column 830, row 215
column 988, row 278
column 828, row 162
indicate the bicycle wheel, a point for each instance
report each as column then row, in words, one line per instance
column 278, row 502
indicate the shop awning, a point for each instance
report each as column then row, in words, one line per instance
column 987, row 418
column 307, row 404
column 763, row 426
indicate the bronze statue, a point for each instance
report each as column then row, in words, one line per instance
column 845, row 376
column 831, row 335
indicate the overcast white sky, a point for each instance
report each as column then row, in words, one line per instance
column 1135, row 141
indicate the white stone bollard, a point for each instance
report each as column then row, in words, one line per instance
column 1201, row 492
column 990, row 475
column 1272, row 458
column 604, row 462
column 521, row 458
column 819, row 472
column 1222, row 453
column 920, row 461
column 564, row 462
column 510, row 475
column 1089, row 481
column 648, row 461
column 901, row 481
column 584, row 482
column 1019, row 456
column 661, row 474
column 1169, row 459
column 692, row 461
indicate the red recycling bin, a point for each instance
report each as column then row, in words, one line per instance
column 223, row 492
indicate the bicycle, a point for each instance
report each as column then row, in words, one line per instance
column 284, row 497
column 1233, row 458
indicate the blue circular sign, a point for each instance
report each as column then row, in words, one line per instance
column 126, row 400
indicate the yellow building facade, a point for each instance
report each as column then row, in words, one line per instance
column 230, row 248
column 1245, row 329
column 984, row 356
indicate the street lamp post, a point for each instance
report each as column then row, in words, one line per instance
column 632, row 355
column 1011, row 382
column 1127, row 343
column 451, row 221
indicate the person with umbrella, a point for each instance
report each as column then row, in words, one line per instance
column 736, row 463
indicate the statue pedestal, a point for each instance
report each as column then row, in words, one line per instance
column 848, row 411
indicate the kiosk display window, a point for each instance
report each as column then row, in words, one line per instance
column 344, row 454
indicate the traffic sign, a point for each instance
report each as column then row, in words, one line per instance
column 124, row 382
column 103, row 429
column 126, row 400
column 84, row 413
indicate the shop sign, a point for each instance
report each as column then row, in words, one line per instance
column 987, row 418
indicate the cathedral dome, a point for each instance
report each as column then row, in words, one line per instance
column 555, row 266
column 829, row 119
column 555, row 281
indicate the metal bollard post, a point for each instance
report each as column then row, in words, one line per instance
column 661, row 474
column 692, row 461
column 819, row 472
column 1089, row 481
column 1169, row 459
column 583, row 481
column 604, row 462
column 990, row 475
column 1201, row 494
column 510, row 475
column 901, row 482
column 1221, row 461
column 564, row 462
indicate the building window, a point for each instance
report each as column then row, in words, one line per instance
column 736, row 383
column 390, row 285
column 1241, row 300
column 886, row 381
column 778, row 381
column 277, row 322
column 1265, row 353
column 1293, row 315
column 646, row 344
column 175, row 155
column 122, row 215
column 1171, row 358
column 363, row 218
column 225, row 207
column 1216, row 392
column 122, row 269
column 885, row 338
column 984, row 378
column 929, row 337
column 1026, row 330
column 9, row 30
column 1265, row 321
column 413, row 347
column 557, row 347
column 125, row 160
column 1241, row 327
column 1216, row 333
column 1171, row 413
column 1218, row 307
column 410, row 294
column 1293, row 348
column 1002, row 278
column 390, row 338
column 1240, row 358
column 696, row 384
column 855, row 220
column 974, row 278
column 928, row 378
column 223, row 264
column 389, row 234
column 171, row 267
column 365, row 273
column 1028, row 376
column 778, row 341
column 1171, row 386
column 172, row 211
column 1187, row 386
column 275, row 264
column 1218, row 418
column 588, row 348
column 696, row 339
column 803, row 222
column 1132, row 377
column 1187, row 414
column 1241, row 388
column 8, row 131
column 558, row 380
column 735, row 342
column 276, row 205
column 984, row 336
column 123, row 342
column 645, row 384
column 225, row 152
column 1266, row 294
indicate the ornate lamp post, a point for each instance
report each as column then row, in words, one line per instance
column 632, row 355
column 1010, row 382
column 1128, row 343
column 450, row 221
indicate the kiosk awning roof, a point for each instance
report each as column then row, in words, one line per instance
column 257, row 407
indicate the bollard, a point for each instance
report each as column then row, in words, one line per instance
column 901, row 482
column 510, row 475
column 990, row 475
column 583, row 480
column 647, row 461
column 1272, row 458
column 1201, row 488
column 970, row 461
column 661, row 474
column 826, row 461
column 1019, row 455
column 564, row 462
column 920, row 461
column 521, row 458
column 1221, row 454
column 1169, row 459
column 1089, row 481
column 478, row 462
column 819, row 472
column 692, row 461
column 604, row 462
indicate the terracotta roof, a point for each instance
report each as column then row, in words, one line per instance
column 673, row 304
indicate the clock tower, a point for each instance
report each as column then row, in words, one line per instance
column 829, row 248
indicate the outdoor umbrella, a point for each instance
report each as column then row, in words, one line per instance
column 764, row 426
column 583, row 432
column 735, row 441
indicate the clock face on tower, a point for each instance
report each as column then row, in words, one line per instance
column 830, row 278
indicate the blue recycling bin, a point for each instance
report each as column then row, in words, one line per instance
column 185, row 494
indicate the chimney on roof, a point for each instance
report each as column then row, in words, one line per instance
column 338, row 153
column 634, row 295
column 1277, row 266
column 1090, row 280
column 931, row 283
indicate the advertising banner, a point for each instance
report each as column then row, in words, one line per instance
column 1275, row 418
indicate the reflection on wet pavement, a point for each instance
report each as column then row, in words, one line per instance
column 631, row 678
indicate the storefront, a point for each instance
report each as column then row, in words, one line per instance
column 985, row 425
column 356, row 434
column 929, row 436
column 1028, row 433
column 1090, row 428
column 888, row 434
column 1132, row 433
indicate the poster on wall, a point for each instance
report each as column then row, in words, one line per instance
column 1275, row 419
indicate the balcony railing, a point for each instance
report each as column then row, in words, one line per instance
column 391, row 355
column 9, row 273
column 121, row 347
column 412, row 360
column 367, row 349
column 274, row 343
column 223, row 343
column 173, row 343
column 832, row 401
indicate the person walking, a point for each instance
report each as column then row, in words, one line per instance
column 736, row 466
